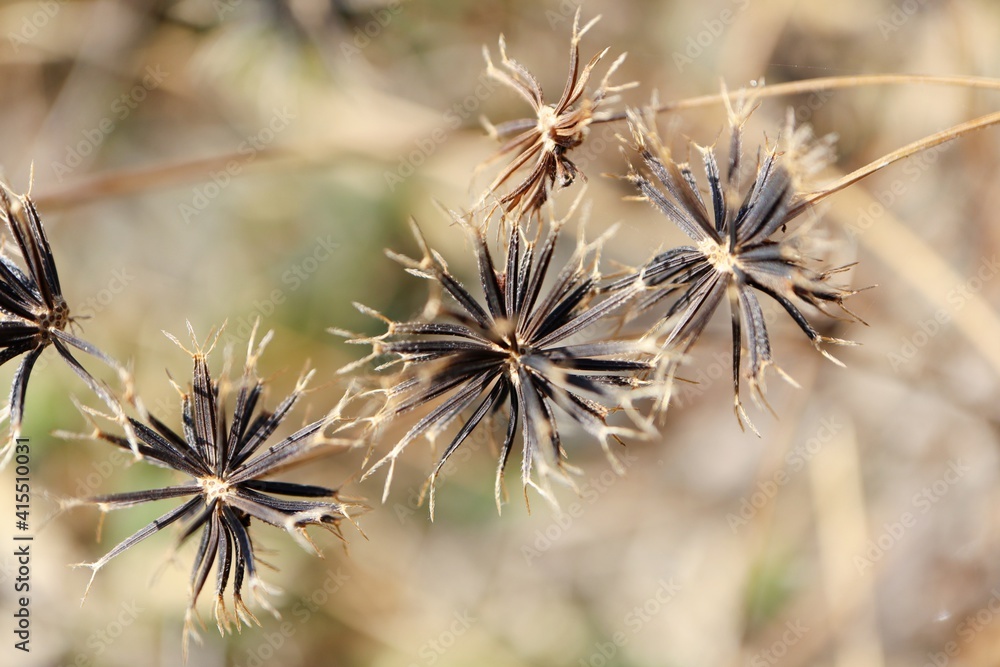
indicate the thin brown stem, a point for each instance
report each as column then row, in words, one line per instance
column 821, row 83
column 130, row 180
column 930, row 141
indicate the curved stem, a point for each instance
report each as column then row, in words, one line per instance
column 930, row 141
column 822, row 83
column 129, row 180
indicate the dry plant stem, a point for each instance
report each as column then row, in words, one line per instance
column 129, row 180
column 984, row 320
column 906, row 151
column 822, row 83
column 842, row 529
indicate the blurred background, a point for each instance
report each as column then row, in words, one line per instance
column 219, row 160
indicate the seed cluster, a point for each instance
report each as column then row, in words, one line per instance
column 535, row 349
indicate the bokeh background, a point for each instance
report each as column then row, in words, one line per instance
column 216, row 160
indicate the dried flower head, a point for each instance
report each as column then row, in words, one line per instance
column 33, row 312
column 227, row 466
column 542, row 143
column 516, row 351
column 738, row 249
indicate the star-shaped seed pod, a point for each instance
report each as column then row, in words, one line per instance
column 33, row 313
column 542, row 144
column 228, row 466
column 528, row 349
column 743, row 247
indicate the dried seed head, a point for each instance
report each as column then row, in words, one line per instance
column 542, row 144
column 228, row 466
column 214, row 488
column 34, row 314
column 742, row 246
column 804, row 154
column 518, row 354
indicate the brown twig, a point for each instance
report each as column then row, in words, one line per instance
column 129, row 179
column 912, row 148
column 821, row 83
